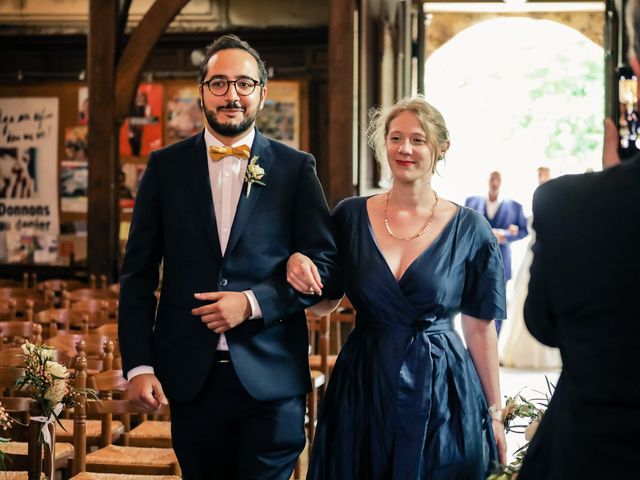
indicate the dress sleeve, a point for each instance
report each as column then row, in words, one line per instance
column 483, row 295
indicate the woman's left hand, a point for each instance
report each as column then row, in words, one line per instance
column 501, row 440
column 302, row 274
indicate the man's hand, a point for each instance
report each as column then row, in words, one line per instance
column 302, row 274
column 228, row 310
column 500, row 235
column 513, row 229
column 610, row 155
column 146, row 392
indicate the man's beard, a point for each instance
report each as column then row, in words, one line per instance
column 230, row 129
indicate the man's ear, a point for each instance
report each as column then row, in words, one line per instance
column 263, row 94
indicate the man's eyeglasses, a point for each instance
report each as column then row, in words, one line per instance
column 220, row 86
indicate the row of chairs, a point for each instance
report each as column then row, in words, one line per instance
column 145, row 449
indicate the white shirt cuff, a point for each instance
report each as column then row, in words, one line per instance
column 255, row 307
column 134, row 372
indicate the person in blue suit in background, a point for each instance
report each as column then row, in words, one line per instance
column 506, row 218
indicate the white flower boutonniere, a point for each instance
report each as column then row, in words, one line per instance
column 253, row 174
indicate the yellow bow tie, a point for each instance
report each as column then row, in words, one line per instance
column 241, row 151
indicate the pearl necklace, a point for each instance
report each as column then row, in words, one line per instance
column 421, row 232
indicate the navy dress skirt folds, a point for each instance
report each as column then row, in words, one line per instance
column 405, row 401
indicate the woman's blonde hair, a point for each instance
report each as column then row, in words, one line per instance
column 428, row 116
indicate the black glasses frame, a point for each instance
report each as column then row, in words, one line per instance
column 229, row 82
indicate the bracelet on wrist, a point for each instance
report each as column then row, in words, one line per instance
column 496, row 413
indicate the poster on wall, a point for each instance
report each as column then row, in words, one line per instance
column 184, row 117
column 74, row 181
column 141, row 133
column 280, row 116
column 28, row 175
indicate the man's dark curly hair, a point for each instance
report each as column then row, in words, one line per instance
column 227, row 42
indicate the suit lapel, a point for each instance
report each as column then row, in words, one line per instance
column 262, row 149
column 202, row 191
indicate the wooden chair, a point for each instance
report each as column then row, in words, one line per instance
column 343, row 320
column 114, row 458
column 11, row 357
column 17, row 450
column 93, row 429
column 108, row 329
column 66, row 342
column 92, row 293
column 56, row 287
column 21, row 308
column 19, row 292
column 57, row 320
column 17, row 331
column 92, row 305
column 319, row 358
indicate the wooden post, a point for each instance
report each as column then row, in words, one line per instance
column 342, row 151
column 103, row 220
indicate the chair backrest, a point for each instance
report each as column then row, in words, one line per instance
column 319, row 338
column 109, row 306
column 66, row 342
column 8, row 378
column 17, row 331
column 21, row 307
column 343, row 320
column 89, row 293
column 13, row 292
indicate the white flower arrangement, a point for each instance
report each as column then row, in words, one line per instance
column 48, row 383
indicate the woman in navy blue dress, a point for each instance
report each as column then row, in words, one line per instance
column 406, row 399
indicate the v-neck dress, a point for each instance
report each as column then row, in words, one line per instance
column 405, row 400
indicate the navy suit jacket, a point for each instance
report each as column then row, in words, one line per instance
column 509, row 212
column 583, row 299
column 174, row 223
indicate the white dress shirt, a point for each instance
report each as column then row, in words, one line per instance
column 226, row 177
column 492, row 207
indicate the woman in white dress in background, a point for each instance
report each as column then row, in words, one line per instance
column 520, row 349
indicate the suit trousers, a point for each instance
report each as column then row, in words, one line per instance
column 225, row 434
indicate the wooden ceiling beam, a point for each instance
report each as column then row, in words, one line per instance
column 135, row 54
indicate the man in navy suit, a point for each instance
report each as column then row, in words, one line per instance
column 227, row 342
column 506, row 218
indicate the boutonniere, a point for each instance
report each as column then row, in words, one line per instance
column 253, row 174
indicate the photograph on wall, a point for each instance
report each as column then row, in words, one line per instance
column 183, row 116
column 131, row 174
column 74, row 183
column 76, row 143
column 28, row 166
column 280, row 117
column 18, row 172
column 141, row 132
column 83, row 105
